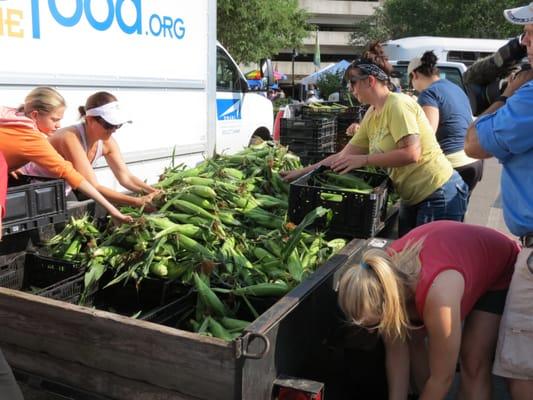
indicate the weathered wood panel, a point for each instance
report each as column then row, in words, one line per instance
column 164, row 357
column 94, row 381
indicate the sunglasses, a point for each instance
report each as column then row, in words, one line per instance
column 356, row 78
column 106, row 125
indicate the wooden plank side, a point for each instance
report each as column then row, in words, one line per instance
column 162, row 356
column 97, row 382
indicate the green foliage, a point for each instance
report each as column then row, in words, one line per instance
column 256, row 29
column 455, row 18
column 328, row 83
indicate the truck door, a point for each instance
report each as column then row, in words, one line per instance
column 230, row 95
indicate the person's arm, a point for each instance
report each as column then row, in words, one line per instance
column 442, row 318
column 408, row 151
column 75, row 153
column 397, row 367
column 473, row 147
column 89, row 190
column 115, row 161
column 433, row 116
column 41, row 152
column 347, row 151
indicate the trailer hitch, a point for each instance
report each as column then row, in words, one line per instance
column 241, row 346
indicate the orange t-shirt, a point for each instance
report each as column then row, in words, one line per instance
column 21, row 144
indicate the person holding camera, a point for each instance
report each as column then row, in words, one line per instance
column 449, row 113
column 505, row 131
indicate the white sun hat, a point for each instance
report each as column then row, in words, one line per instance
column 110, row 112
column 520, row 15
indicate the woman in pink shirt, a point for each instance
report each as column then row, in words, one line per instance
column 23, row 140
column 426, row 284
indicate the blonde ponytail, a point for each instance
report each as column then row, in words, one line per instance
column 379, row 286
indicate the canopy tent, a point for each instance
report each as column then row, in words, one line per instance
column 331, row 68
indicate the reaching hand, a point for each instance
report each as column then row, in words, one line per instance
column 289, row 176
column 348, row 162
column 516, row 81
column 119, row 218
column 352, row 129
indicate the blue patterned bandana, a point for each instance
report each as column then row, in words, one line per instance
column 369, row 68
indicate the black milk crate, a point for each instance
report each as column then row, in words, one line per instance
column 311, row 157
column 357, row 215
column 127, row 297
column 70, row 290
column 318, row 112
column 307, row 129
column 301, row 147
column 37, row 273
column 32, row 202
column 172, row 313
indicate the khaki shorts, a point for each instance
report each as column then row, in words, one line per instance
column 514, row 353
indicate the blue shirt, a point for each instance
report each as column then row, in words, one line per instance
column 455, row 114
column 508, row 135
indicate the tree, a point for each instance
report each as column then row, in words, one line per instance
column 455, row 18
column 255, row 29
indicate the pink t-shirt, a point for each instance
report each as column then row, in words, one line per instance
column 484, row 256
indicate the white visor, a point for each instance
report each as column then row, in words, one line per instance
column 520, row 15
column 110, row 112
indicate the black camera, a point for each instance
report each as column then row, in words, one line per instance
column 486, row 78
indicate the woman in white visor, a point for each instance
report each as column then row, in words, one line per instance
column 85, row 142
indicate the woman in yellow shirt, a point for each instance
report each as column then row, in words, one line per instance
column 395, row 135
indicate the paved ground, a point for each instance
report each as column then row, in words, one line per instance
column 484, row 209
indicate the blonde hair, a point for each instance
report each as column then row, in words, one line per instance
column 43, row 99
column 379, row 285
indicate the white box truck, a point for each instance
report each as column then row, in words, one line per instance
column 161, row 59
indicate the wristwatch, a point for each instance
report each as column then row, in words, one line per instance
column 502, row 98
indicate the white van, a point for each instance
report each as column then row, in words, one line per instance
column 183, row 91
column 454, row 54
column 461, row 50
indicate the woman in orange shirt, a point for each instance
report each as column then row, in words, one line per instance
column 23, row 140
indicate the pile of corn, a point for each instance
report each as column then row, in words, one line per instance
column 220, row 228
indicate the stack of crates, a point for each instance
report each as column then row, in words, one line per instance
column 306, row 135
column 34, row 204
column 344, row 120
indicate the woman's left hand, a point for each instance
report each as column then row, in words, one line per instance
column 347, row 162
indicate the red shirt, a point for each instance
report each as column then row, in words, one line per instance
column 484, row 256
column 3, row 184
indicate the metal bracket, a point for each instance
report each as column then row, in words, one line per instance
column 241, row 346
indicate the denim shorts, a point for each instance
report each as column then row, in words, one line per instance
column 447, row 202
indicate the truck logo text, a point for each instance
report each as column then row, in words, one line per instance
column 156, row 25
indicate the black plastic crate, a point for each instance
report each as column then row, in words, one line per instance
column 303, row 148
column 307, row 129
column 172, row 313
column 32, row 202
column 36, row 273
column 70, row 290
column 317, row 112
column 129, row 298
column 355, row 215
column 311, row 157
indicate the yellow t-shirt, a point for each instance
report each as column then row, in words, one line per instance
column 379, row 133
